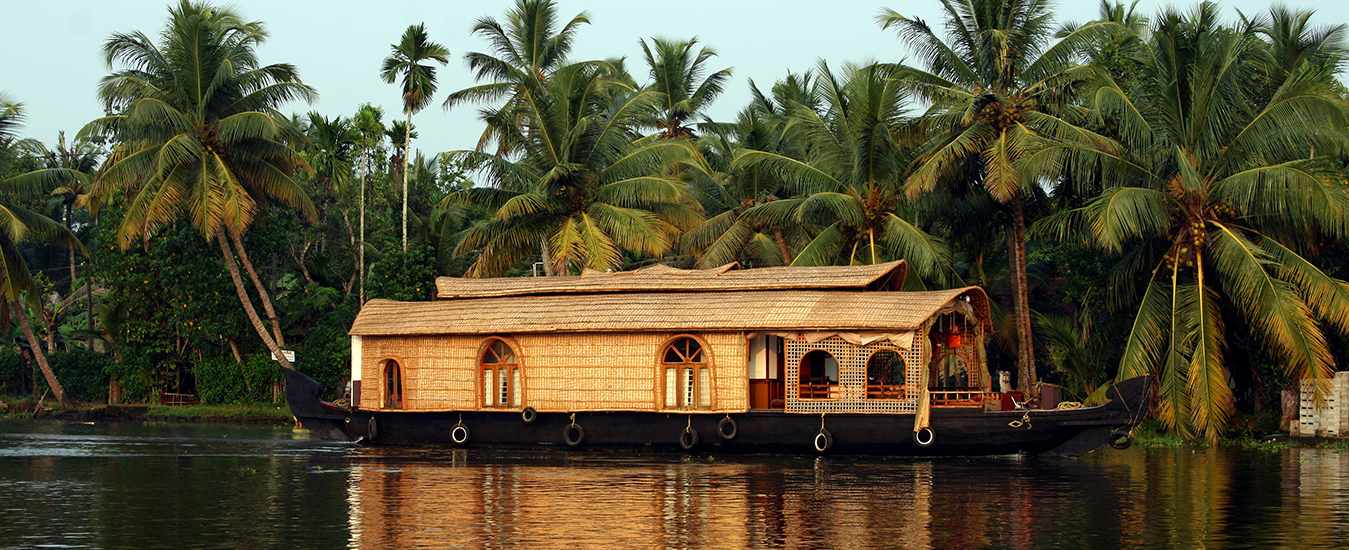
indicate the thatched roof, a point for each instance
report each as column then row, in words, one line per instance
column 662, row 278
column 780, row 310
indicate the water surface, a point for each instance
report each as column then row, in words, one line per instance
column 213, row 486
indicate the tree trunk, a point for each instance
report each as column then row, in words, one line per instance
column 360, row 261
column 36, row 347
column 407, row 151
column 238, row 358
column 248, row 304
column 547, row 256
column 262, row 289
column 1025, row 345
column 351, row 234
column 785, row 252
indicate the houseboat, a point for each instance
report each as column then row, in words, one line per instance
column 778, row 359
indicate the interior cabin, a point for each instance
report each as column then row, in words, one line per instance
column 661, row 339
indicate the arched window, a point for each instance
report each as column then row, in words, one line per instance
column 500, row 375
column 393, row 385
column 688, row 380
column 885, row 375
column 818, row 376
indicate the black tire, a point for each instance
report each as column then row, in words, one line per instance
column 1121, row 440
column 823, row 441
column 459, row 434
column 579, row 434
column 925, row 437
column 371, row 429
column 529, row 415
column 688, row 439
column 722, row 428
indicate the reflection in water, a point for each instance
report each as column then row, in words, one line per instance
column 639, row 503
column 147, row 486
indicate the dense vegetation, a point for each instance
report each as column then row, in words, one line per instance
column 1144, row 193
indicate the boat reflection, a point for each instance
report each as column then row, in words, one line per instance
column 625, row 503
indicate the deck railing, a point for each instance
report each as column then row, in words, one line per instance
column 961, row 397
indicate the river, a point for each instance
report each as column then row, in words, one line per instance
column 77, row 485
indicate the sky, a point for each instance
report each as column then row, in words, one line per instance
column 50, row 50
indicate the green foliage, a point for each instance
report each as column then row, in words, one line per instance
column 83, row 374
column 13, row 372
column 222, row 380
column 405, row 276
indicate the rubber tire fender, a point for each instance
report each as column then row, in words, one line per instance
column 925, row 442
column 372, row 429
column 458, row 429
column 580, row 434
column 823, row 441
column 529, row 415
column 688, row 439
column 721, row 428
column 1121, row 444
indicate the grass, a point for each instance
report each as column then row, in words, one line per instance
column 247, row 412
column 250, row 412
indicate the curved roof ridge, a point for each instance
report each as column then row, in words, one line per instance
column 663, row 278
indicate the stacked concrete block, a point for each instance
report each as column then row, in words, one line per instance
column 1331, row 419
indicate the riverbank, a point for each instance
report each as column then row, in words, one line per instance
column 250, row 413
column 1150, row 434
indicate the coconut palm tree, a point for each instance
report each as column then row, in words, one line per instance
column 66, row 171
column 586, row 187
column 198, row 131
column 370, row 129
column 849, row 184
column 18, row 224
column 529, row 46
column 1217, row 201
column 411, row 59
column 728, row 234
column 677, row 73
column 995, row 85
column 330, row 146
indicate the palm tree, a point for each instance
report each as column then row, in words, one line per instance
column 419, row 84
column 849, row 183
column 729, row 234
column 67, row 172
column 528, row 47
column 677, row 73
column 1217, row 201
column 11, row 116
column 18, row 224
column 370, row 129
column 199, row 135
column 994, row 88
column 330, row 145
column 585, row 188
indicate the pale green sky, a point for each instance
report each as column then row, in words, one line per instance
column 50, row 60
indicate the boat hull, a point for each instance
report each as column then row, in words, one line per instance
column 954, row 431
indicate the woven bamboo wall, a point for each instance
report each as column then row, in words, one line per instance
column 559, row 372
column 852, row 377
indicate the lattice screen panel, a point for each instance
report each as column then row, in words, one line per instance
column 852, row 377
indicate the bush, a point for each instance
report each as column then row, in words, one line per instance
column 138, row 385
column 222, row 380
column 13, row 372
column 83, row 374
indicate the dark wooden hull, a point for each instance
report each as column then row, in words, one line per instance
column 958, row 431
